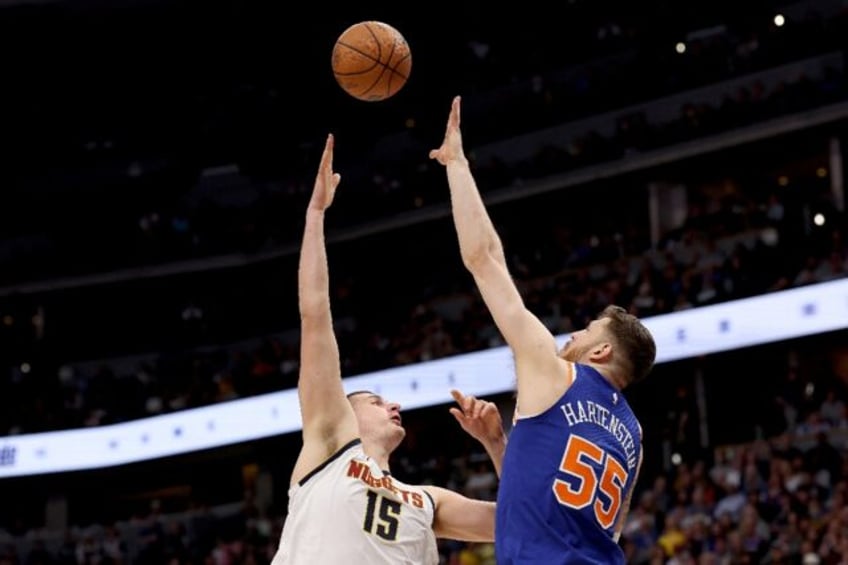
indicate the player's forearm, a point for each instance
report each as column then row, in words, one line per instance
column 477, row 236
column 313, row 272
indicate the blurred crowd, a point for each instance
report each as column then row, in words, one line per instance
column 779, row 498
column 727, row 249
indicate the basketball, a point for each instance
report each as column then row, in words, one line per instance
column 371, row 61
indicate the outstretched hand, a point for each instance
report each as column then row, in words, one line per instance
column 451, row 148
column 481, row 419
column 326, row 180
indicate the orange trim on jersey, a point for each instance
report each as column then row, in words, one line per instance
column 570, row 374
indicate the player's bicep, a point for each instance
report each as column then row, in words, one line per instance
column 541, row 374
column 327, row 417
column 461, row 518
column 325, row 411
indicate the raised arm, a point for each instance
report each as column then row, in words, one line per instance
column 328, row 419
column 539, row 370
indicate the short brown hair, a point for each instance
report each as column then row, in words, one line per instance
column 640, row 350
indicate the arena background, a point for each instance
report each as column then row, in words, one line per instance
column 666, row 156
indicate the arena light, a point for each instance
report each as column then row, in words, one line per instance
column 778, row 316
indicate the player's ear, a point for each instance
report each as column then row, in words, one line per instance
column 601, row 352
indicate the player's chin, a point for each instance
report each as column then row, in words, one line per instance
column 398, row 434
column 399, row 429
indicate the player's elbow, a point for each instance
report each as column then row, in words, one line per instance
column 471, row 258
column 479, row 257
column 314, row 311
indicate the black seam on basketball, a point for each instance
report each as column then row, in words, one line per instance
column 388, row 68
column 376, row 42
column 394, row 67
column 391, row 68
column 385, row 66
column 376, row 81
column 364, row 55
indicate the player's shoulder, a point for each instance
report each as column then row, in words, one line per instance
column 435, row 494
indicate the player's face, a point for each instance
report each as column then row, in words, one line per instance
column 378, row 418
column 578, row 348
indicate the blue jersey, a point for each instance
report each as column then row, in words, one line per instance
column 567, row 474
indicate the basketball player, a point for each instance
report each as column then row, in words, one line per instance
column 345, row 507
column 575, row 449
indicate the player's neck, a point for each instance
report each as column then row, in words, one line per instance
column 378, row 454
column 609, row 374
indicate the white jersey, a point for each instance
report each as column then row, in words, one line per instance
column 348, row 511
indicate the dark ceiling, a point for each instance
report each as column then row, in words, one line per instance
column 92, row 87
column 210, row 78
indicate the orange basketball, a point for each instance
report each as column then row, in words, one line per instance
column 371, row 61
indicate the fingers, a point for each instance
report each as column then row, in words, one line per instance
column 481, row 407
column 444, row 153
column 470, row 406
column 489, row 408
column 326, row 180
column 327, row 157
column 330, row 191
column 466, row 403
column 326, row 165
column 453, row 116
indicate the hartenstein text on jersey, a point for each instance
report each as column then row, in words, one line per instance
column 579, row 412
